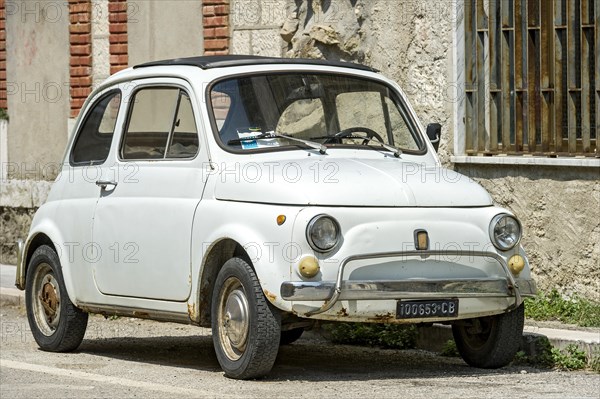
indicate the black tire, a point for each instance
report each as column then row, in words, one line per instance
column 490, row 342
column 56, row 324
column 250, row 351
column 290, row 336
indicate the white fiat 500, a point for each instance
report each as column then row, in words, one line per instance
column 258, row 195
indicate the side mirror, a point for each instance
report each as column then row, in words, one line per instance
column 434, row 132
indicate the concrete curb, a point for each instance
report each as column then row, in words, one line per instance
column 435, row 337
column 11, row 297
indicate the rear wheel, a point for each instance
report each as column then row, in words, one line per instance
column 56, row 324
column 246, row 328
column 490, row 342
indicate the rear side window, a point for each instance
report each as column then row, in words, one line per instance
column 161, row 125
column 94, row 138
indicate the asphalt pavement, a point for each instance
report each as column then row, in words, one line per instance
column 130, row 358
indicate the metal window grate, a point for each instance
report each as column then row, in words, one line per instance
column 532, row 81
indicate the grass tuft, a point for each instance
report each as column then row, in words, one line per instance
column 449, row 349
column 570, row 358
column 552, row 306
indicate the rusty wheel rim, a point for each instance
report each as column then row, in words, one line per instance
column 46, row 300
column 233, row 319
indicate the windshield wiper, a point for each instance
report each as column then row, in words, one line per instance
column 397, row 151
column 271, row 135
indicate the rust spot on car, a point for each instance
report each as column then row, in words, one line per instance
column 141, row 315
column 382, row 318
column 270, row 296
column 192, row 310
column 343, row 312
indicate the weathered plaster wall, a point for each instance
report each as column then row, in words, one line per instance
column 164, row 29
column 559, row 208
column 37, row 87
column 412, row 43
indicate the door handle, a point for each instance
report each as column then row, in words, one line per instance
column 105, row 183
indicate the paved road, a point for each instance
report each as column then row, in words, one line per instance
column 127, row 358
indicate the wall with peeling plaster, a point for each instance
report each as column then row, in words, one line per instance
column 412, row 43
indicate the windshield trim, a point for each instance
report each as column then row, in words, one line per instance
column 423, row 150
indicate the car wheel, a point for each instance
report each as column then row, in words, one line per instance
column 490, row 342
column 290, row 336
column 246, row 328
column 56, row 324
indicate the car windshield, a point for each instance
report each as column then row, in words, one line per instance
column 253, row 113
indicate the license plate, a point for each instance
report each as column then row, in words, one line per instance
column 425, row 309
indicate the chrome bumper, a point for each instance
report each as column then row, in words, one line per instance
column 331, row 292
column 20, row 276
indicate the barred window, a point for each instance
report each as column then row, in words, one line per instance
column 532, row 77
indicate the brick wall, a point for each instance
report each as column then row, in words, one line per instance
column 80, row 39
column 216, row 26
column 117, row 17
column 3, row 101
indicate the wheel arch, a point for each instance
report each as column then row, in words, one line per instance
column 216, row 256
column 48, row 234
column 34, row 243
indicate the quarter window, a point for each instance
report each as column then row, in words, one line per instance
column 161, row 125
column 93, row 141
column 184, row 142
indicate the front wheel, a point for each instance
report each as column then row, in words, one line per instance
column 490, row 342
column 56, row 324
column 245, row 327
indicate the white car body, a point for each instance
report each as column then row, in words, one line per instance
column 151, row 245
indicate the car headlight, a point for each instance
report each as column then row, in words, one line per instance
column 505, row 231
column 323, row 233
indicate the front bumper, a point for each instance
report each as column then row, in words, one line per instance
column 330, row 292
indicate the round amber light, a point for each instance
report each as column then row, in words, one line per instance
column 280, row 220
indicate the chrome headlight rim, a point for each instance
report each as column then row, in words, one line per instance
column 310, row 226
column 493, row 224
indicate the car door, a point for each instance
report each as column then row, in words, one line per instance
column 76, row 186
column 143, row 220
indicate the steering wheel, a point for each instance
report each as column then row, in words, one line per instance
column 348, row 132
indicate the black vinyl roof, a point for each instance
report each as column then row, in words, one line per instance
column 222, row 61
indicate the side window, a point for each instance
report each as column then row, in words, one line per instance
column 94, row 138
column 160, row 119
column 302, row 119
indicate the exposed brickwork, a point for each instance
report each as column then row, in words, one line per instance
column 80, row 39
column 3, row 100
column 117, row 17
column 215, row 20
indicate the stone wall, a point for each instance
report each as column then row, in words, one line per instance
column 412, row 43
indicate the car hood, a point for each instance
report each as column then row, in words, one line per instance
column 348, row 182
